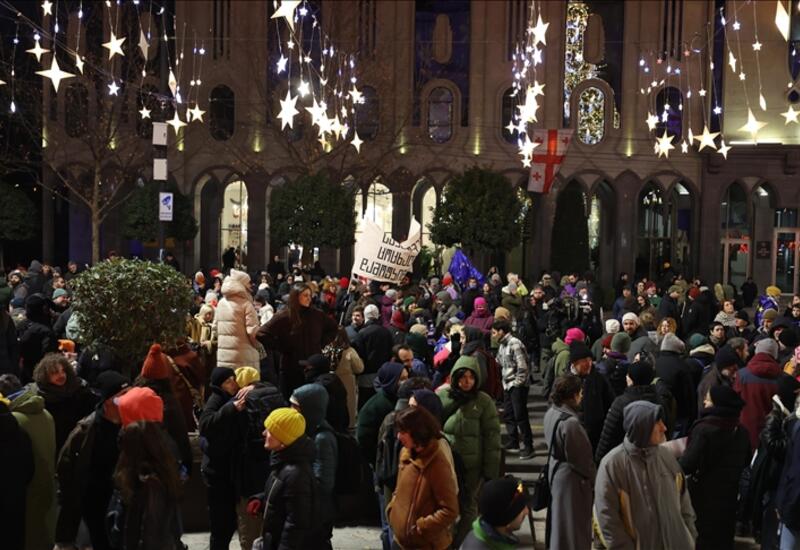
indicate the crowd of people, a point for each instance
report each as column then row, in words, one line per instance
column 671, row 425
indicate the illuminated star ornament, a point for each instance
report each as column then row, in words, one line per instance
column 176, row 122
column 54, row 73
column 752, row 126
column 286, row 10
column 195, row 114
column 114, row 45
column 145, row 112
column 113, row 88
column 539, row 32
column 664, row 145
column 651, row 121
column 79, row 62
column 356, row 142
column 47, row 7
column 288, row 110
column 37, row 50
column 723, row 149
column 318, row 115
column 684, row 147
column 791, row 116
column 706, row 139
column 281, row 65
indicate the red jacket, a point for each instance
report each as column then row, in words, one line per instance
column 756, row 384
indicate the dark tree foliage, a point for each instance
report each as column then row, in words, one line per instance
column 140, row 215
column 570, row 245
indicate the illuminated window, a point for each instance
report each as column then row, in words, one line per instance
column 379, row 207
column 507, row 114
column 591, row 116
column 440, row 115
column 233, row 219
column 426, row 215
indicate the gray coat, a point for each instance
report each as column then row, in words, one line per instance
column 641, row 501
column 572, row 475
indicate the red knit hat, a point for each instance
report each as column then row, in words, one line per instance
column 344, row 282
column 156, row 365
column 447, row 280
column 694, row 292
column 140, row 404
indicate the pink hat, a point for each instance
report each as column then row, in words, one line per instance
column 574, row 335
column 479, row 302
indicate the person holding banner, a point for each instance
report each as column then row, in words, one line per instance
column 297, row 332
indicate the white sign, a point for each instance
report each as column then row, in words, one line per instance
column 165, row 207
column 159, row 133
column 160, row 169
column 380, row 258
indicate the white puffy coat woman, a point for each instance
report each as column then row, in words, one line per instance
column 236, row 323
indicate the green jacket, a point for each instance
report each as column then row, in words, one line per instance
column 40, row 505
column 370, row 418
column 561, row 355
column 473, row 428
column 484, row 538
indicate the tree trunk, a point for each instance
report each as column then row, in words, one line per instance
column 95, row 237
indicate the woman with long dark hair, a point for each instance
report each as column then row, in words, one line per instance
column 147, row 479
column 346, row 363
column 297, row 333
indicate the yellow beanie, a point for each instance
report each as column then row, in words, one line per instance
column 286, row 425
column 4, row 400
column 773, row 291
column 246, row 376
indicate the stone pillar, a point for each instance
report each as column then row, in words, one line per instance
column 256, row 220
column 627, row 187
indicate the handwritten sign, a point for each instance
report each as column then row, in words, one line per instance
column 380, row 258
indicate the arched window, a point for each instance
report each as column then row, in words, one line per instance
column 591, row 116
column 76, row 111
column 669, row 110
column 368, row 114
column 507, row 114
column 223, row 113
column 426, row 215
column 379, row 207
column 735, row 220
column 233, row 222
column 440, row 115
column 733, row 213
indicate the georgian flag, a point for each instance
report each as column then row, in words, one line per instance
column 547, row 158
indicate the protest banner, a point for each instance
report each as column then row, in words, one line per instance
column 379, row 257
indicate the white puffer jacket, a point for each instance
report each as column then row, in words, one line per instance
column 236, row 323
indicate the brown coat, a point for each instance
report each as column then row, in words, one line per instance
column 426, row 497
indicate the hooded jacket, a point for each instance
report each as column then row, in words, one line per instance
column 471, row 425
column 641, row 499
column 613, row 433
column 66, row 404
column 219, row 436
column 375, row 410
column 236, row 323
column 16, row 458
column 40, row 504
column 756, row 384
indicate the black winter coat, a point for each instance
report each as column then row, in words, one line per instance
column 289, row 498
column 16, row 462
column 597, row 399
column 671, row 368
column 337, row 415
column 613, row 433
column 697, row 317
column 219, row 437
column 9, row 346
column 374, row 345
column 67, row 407
column 717, row 451
column 35, row 340
column 669, row 308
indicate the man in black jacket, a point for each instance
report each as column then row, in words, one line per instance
column 671, row 368
column 597, row 392
column 374, row 345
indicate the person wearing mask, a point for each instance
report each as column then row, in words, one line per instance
column 513, row 360
column 236, row 323
column 66, row 397
column 503, row 505
column 756, row 384
column 86, row 466
column 672, row 371
column 424, row 506
column 374, row 345
column 480, row 317
column 16, row 456
column 311, row 401
column 289, row 498
column 297, row 332
column 347, row 365
column 640, row 497
column 639, row 388
column 572, row 470
column 717, row 451
column 472, row 427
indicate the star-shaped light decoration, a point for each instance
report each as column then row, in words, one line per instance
column 286, row 10
column 288, row 110
column 527, row 111
column 723, row 149
column 757, row 46
column 54, row 73
column 527, row 147
column 144, row 112
column 144, row 45
column 539, row 32
column 690, row 136
column 511, row 127
column 2, row 82
column 37, row 50
column 114, row 45
column 538, row 89
column 752, row 126
column 47, row 7
column 303, row 89
column 782, row 20
column 664, row 144
column 651, row 121
column 732, row 61
column 113, row 88
column 790, row 116
column 702, row 92
column 172, row 82
column 318, row 115
column 355, row 95
column 356, row 142
column 281, row 64
column 706, row 139
column 79, row 62
column 684, row 147
column 176, row 122
column 195, row 114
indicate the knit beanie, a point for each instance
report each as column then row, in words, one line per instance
column 502, row 500
column 286, row 425
column 725, row 396
column 578, row 350
column 787, row 390
column 606, row 341
column 67, row 346
column 109, row 383
column 726, row 357
column 768, row 346
column 742, row 314
column 59, row 292
column 630, row 316
column 428, row 400
column 770, row 315
column 220, row 374
column 696, row 340
column 788, row 338
column 612, row 326
column 419, row 329
column 574, row 335
column 246, row 376
column 621, row 342
column 694, row 292
column 641, row 373
column 502, row 313
column 444, row 297
column 391, row 294
column 408, row 300
column 140, row 404
column 156, row 365
column 672, row 343
column 773, row 291
column 371, row 312
column 479, row 303
column 344, row 282
column 447, row 279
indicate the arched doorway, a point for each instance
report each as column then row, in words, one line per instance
column 664, row 230
column 569, row 251
column 601, row 231
column 735, row 226
column 233, row 220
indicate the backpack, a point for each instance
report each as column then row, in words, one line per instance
column 461, row 477
column 668, row 402
column 387, row 457
column 261, row 401
column 493, row 385
column 349, row 465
